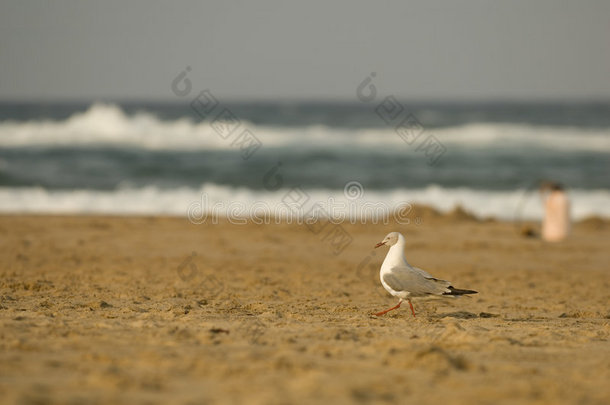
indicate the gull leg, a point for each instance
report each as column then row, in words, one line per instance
column 412, row 310
column 388, row 310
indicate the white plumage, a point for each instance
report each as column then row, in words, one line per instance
column 404, row 281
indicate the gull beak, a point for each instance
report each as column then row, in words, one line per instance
column 379, row 244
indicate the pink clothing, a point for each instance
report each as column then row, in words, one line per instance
column 556, row 224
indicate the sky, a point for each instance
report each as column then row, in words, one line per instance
column 308, row 50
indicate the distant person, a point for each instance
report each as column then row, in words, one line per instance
column 556, row 223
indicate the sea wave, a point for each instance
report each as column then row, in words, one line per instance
column 109, row 126
column 223, row 200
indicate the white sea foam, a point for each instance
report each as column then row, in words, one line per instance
column 108, row 125
column 243, row 202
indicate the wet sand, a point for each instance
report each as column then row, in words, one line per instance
column 99, row 310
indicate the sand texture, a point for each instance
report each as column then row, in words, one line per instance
column 97, row 310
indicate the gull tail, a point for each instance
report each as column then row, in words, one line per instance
column 457, row 291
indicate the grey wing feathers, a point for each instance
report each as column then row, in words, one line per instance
column 422, row 272
column 415, row 281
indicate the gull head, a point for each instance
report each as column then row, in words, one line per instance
column 390, row 240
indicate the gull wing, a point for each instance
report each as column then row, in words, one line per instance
column 422, row 272
column 415, row 281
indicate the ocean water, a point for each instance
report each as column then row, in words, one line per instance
column 169, row 158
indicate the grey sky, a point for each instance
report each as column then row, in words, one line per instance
column 450, row 50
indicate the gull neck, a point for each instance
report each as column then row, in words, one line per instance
column 396, row 255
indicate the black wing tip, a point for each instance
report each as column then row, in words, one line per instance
column 457, row 291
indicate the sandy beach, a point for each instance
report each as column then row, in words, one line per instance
column 122, row 310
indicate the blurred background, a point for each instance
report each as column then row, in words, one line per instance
column 142, row 108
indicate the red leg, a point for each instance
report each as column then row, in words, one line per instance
column 412, row 310
column 388, row 310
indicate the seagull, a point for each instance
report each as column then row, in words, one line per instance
column 404, row 281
